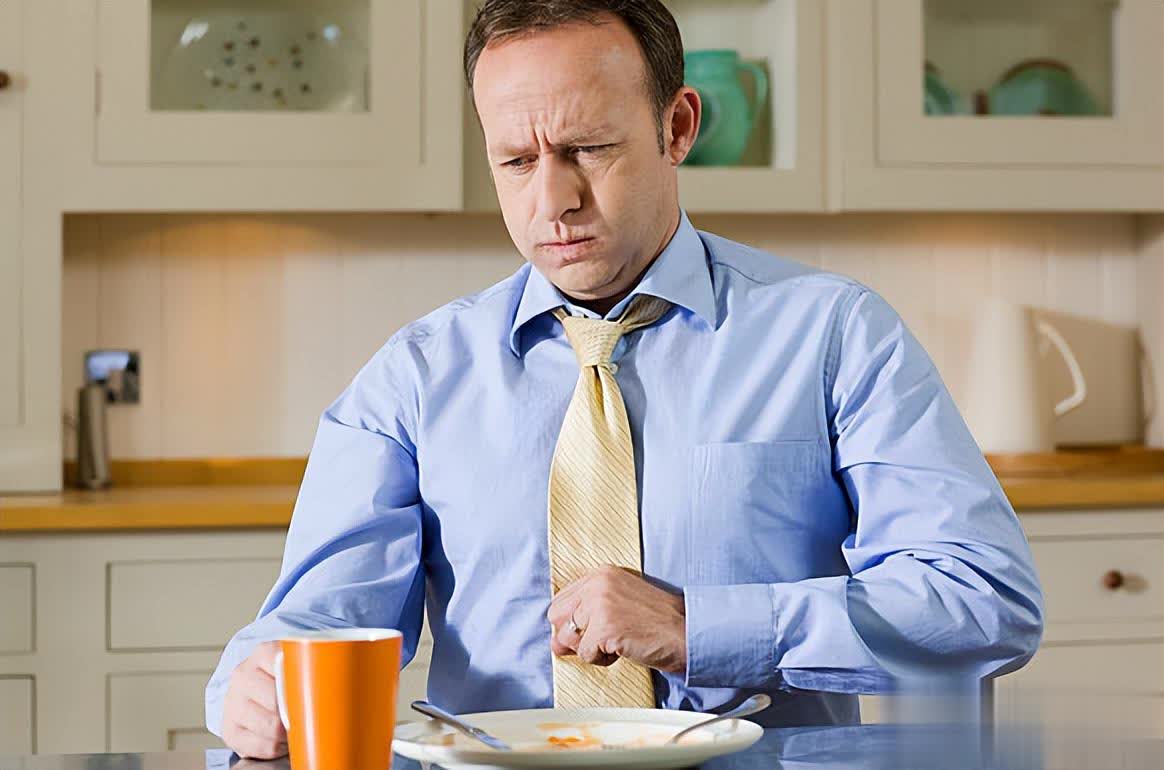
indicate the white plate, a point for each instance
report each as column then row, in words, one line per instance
column 529, row 731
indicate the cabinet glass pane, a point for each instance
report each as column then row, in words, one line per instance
column 259, row 55
column 1030, row 58
column 740, row 55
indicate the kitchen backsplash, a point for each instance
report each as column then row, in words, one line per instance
column 1151, row 311
column 249, row 326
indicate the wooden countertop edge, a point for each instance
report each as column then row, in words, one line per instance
column 1032, row 495
column 108, row 517
column 219, row 508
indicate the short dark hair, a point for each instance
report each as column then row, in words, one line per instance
column 649, row 20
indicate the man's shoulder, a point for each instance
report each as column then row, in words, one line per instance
column 756, row 268
column 491, row 307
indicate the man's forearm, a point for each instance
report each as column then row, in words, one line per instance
column 856, row 634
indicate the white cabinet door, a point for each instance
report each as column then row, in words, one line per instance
column 156, row 605
column 782, row 165
column 997, row 104
column 1101, row 665
column 17, row 608
column 1111, row 49
column 363, row 96
column 16, row 704
column 30, row 416
column 1114, row 685
column 11, row 127
column 158, row 712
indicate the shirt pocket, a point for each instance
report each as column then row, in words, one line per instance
column 761, row 512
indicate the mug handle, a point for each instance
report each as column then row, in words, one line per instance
column 1080, row 385
column 760, row 82
column 280, row 691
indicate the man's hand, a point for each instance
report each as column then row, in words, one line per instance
column 621, row 616
column 250, row 715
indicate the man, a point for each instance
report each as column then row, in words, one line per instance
column 747, row 477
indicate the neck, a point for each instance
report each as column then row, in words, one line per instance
column 603, row 305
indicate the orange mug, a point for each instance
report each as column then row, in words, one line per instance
column 337, row 697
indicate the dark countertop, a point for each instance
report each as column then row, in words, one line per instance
column 870, row 747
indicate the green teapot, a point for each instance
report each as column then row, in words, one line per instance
column 728, row 114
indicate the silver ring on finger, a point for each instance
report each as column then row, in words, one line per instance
column 577, row 629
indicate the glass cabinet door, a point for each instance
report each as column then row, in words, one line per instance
column 759, row 68
column 1020, row 81
column 307, row 55
column 263, row 82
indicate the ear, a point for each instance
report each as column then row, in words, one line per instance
column 682, row 124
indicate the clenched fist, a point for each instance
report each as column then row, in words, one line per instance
column 250, row 714
column 612, row 613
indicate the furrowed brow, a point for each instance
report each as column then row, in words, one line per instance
column 570, row 140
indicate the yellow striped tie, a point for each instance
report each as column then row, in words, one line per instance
column 593, row 511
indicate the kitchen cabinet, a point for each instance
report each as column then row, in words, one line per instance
column 16, row 599
column 11, row 125
column 16, row 704
column 158, row 712
column 113, row 636
column 257, row 105
column 997, row 105
column 107, row 681
column 29, row 283
column 782, row 167
column 1101, row 665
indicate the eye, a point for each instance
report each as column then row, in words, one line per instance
column 516, row 163
column 590, row 149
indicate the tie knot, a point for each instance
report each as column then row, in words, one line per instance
column 594, row 339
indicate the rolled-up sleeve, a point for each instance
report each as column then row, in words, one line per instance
column 942, row 581
column 353, row 550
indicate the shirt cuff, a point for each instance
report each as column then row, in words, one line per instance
column 730, row 636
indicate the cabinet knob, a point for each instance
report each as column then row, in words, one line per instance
column 5, row 79
column 1113, row 579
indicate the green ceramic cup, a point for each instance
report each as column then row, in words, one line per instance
column 940, row 99
column 729, row 113
column 1041, row 87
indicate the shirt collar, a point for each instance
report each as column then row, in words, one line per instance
column 680, row 275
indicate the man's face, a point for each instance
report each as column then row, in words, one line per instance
column 573, row 149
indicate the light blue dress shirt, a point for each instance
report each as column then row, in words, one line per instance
column 805, row 480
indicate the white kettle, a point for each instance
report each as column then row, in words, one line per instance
column 1008, row 404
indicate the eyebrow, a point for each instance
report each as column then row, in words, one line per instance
column 571, row 140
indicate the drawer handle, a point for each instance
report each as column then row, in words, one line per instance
column 5, row 79
column 1113, row 580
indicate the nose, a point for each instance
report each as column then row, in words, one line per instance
column 559, row 189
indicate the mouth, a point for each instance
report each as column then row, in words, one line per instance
column 574, row 242
column 569, row 251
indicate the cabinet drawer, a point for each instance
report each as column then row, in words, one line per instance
column 17, row 601
column 158, row 712
column 1073, row 573
column 1094, row 668
column 1101, row 685
column 183, row 604
column 16, row 706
